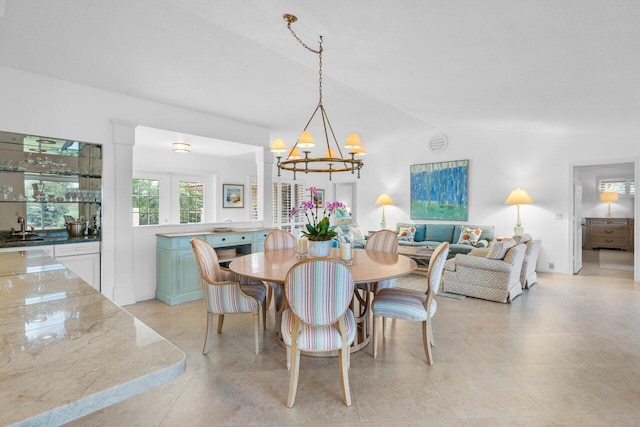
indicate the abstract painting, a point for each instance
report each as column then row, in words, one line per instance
column 440, row 190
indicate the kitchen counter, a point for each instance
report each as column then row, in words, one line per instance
column 44, row 238
column 67, row 350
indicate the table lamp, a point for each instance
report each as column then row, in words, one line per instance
column 518, row 197
column 384, row 200
column 609, row 196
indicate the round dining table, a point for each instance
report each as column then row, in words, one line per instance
column 367, row 267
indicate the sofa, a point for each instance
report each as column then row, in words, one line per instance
column 433, row 234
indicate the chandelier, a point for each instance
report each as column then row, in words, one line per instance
column 332, row 160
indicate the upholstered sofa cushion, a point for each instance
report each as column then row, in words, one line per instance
column 406, row 234
column 421, row 233
column 439, row 232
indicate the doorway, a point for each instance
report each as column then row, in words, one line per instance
column 589, row 181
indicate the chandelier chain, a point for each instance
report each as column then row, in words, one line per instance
column 317, row 52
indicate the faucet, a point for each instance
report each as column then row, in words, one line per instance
column 23, row 225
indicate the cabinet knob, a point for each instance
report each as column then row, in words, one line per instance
column 223, row 239
column 608, row 231
column 242, row 237
column 608, row 241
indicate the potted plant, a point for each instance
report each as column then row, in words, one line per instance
column 318, row 229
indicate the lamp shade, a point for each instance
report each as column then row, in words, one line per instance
column 353, row 141
column 181, row 147
column 330, row 153
column 609, row 196
column 306, row 140
column 294, row 153
column 384, row 199
column 359, row 151
column 278, row 146
column 518, row 197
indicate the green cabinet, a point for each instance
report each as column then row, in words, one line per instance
column 178, row 275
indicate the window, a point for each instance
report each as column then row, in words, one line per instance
column 625, row 187
column 146, row 202
column 285, row 196
column 166, row 198
column 191, row 202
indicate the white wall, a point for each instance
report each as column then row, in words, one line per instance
column 499, row 162
column 40, row 105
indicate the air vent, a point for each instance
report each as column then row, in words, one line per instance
column 438, row 143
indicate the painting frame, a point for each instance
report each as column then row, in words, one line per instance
column 233, row 195
column 318, row 200
column 440, row 191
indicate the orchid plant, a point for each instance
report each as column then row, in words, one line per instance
column 317, row 228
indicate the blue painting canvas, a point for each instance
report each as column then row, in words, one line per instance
column 440, row 190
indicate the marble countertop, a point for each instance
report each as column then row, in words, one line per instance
column 66, row 349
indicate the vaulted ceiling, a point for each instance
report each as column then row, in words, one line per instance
column 389, row 67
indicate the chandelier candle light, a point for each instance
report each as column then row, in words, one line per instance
column 518, row 197
column 333, row 160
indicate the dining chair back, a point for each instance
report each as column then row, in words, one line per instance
column 224, row 292
column 383, row 240
column 319, row 291
column 406, row 304
column 279, row 239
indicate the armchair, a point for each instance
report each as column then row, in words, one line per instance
column 494, row 276
column 528, row 275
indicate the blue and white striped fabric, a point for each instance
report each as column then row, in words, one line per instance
column 319, row 292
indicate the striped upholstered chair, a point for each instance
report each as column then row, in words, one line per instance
column 407, row 304
column 318, row 319
column 225, row 293
column 278, row 239
column 385, row 241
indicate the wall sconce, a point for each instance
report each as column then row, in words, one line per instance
column 384, row 200
column 181, row 147
column 518, row 197
column 609, row 196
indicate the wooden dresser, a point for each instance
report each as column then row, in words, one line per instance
column 609, row 233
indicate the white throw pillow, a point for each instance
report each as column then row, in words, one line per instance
column 357, row 232
column 498, row 250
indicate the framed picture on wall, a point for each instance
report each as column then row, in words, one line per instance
column 440, row 190
column 319, row 199
column 232, row 196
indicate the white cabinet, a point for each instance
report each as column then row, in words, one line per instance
column 83, row 259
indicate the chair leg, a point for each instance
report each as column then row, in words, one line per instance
column 344, row 374
column 269, row 295
column 375, row 336
column 256, row 328
column 293, row 377
column 288, row 358
column 432, row 339
column 208, row 333
column 384, row 326
column 265, row 306
column 426, row 344
column 220, row 322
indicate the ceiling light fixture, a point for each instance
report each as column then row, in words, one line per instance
column 333, row 159
column 181, row 147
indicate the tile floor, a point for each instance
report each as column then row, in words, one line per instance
column 566, row 352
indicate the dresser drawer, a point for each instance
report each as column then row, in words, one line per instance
column 608, row 232
column 609, row 241
column 230, row 238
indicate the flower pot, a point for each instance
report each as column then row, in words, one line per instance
column 319, row 248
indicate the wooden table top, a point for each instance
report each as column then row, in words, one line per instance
column 367, row 265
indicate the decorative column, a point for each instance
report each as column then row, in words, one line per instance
column 118, row 256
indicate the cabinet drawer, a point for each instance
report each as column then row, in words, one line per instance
column 609, row 241
column 607, row 221
column 608, row 232
column 230, row 238
column 70, row 249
